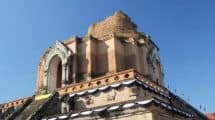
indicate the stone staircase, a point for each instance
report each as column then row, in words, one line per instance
column 6, row 113
column 30, row 109
column 37, row 108
column 34, row 108
column 18, row 109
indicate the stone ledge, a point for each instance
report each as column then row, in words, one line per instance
column 14, row 103
column 101, row 81
column 111, row 79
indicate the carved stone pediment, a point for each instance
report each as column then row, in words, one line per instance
column 57, row 49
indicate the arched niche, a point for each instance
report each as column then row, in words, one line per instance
column 55, row 73
column 57, row 67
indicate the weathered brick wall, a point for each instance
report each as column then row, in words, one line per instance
column 119, row 23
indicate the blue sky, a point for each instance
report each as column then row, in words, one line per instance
column 184, row 30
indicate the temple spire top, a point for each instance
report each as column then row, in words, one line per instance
column 119, row 23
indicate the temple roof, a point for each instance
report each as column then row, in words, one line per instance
column 121, row 106
column 119, row 24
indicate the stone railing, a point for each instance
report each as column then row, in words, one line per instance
column 19, row 109
column 15, row 103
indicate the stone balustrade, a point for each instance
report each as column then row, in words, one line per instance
column 14, row 103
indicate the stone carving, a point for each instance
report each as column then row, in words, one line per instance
column 111, row 96
column 57, row 49
column 89, row 100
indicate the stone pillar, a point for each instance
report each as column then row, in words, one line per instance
column 73, row 69
column 89, row 52
column 119, row 54
column 130, row 56
column 143, row 58
column 112, row 67
column 64, row 75
column 45, row 80
column 68, row 71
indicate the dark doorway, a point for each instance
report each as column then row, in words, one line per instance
column 55, row 73
column 59, row 75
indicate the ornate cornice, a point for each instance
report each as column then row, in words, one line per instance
column 111, row 79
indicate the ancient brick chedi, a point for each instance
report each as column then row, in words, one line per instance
column 110, row 46
column 114, row 72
